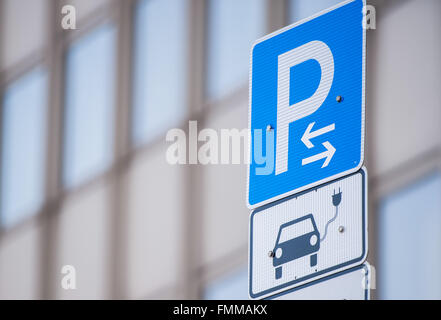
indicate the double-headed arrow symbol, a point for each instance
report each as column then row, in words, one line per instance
column 306, row 139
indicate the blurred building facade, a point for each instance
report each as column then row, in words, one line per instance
column 84, row 113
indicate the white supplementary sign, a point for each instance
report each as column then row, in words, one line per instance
column 308, row 236
column 352, row 284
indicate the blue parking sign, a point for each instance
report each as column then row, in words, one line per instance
column 307, row 88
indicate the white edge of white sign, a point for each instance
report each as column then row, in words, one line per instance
column 250, row 76
column 366, row 266
column 355, row 264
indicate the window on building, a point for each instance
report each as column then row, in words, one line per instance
column 160, row 67
column 233, row 26
column 409, row 243
column 231, row 287
column 301, row 9
column 89, row 103
column 23, row 147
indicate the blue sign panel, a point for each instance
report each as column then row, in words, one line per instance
column 307, row 104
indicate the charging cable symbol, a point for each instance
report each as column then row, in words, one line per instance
column 336, row 199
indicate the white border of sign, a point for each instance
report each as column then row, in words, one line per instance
column 336, row 176
column 368, row 278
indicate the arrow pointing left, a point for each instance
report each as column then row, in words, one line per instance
column 308, row 135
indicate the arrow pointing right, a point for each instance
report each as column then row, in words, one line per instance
column 328, row 154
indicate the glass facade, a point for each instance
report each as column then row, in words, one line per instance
column 232, row 28
column 89, row 106
column 24, row 131
column 301, row 9
column 160, row 67
column 135, row 226
column 409, row 243
column 231, row 287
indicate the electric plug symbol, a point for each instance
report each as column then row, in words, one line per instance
column 336, row 198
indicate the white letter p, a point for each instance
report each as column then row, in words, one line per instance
column 314, row 50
